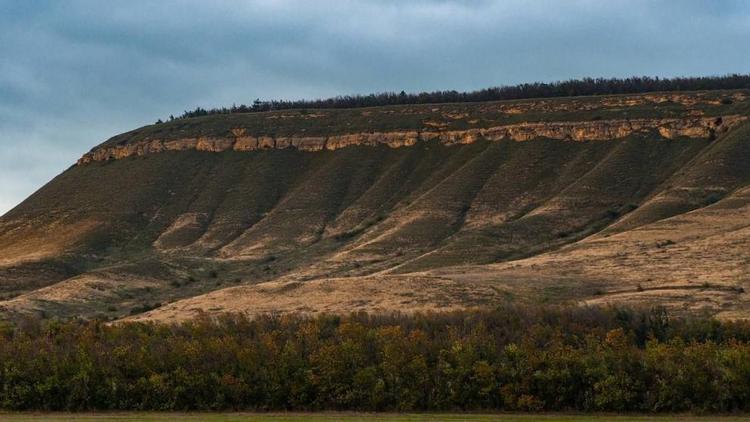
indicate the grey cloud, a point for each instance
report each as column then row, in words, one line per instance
column 76, row 72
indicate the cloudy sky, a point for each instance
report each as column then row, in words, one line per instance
column 73, row 73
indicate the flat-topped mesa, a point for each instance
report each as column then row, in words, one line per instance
column 595, row 130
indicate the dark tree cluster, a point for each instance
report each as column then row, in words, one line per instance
column 570, row 88
column 510, row 359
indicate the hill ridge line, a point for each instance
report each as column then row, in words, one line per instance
column 592, row 130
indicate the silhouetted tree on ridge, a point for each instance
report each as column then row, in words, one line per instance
column 569, row 88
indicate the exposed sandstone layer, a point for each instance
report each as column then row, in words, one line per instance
column 700, row 127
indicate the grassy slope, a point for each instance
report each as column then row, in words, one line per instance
column 164, row 219
column 448, row 116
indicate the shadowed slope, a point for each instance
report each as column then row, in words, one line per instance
column 144, row 230
column 719, row 169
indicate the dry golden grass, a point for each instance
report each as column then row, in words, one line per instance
column 691, row 262
column 634, row 218
column 375, row 294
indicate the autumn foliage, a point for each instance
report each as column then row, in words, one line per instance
column 511, row 358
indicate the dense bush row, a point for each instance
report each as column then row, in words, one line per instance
column 510, row 359
column 577, row 87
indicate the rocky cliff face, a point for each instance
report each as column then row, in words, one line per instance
column 241, row 140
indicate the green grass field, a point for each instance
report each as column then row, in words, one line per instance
column 310, row 417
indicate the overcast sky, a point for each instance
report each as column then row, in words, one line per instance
column 73, row 73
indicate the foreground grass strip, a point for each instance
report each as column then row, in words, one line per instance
column 328, row 417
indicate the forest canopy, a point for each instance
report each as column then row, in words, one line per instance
column 569, row 88
column 511, row 359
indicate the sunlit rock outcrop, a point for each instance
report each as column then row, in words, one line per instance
column 597, row 130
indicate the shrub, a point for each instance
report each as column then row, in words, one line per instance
column 510, row 358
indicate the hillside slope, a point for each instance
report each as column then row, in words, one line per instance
column 614, row 199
